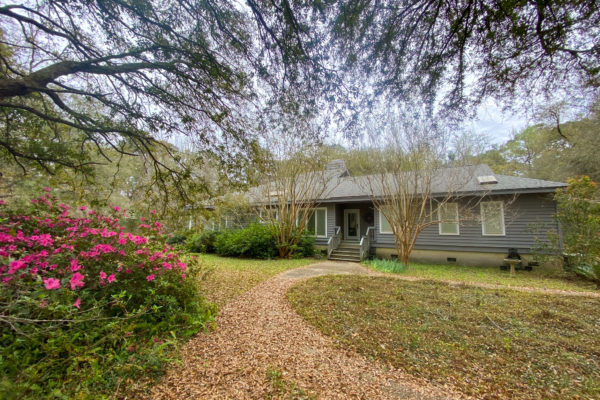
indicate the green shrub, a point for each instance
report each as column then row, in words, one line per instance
column 306, row 246
column 386, row 265
column 176, row 239
column 254, row 241
column 203, row 242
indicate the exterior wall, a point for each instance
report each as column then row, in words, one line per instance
column 474, row 258
column 527, row 218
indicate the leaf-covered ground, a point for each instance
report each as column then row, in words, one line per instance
column 491, row 344
column 226, row 278
column 543, row 277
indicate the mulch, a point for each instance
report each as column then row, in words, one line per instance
column 259, row 331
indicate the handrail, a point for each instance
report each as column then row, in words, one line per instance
column 365, row 243
column 334, row 241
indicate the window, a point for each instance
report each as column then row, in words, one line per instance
column 317, row 222
column 448, row 216
column 384, row 224
column 492, row 218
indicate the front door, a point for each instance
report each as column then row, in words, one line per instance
column 351, row 224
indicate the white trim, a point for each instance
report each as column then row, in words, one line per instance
column 314, row 211
column 440, row 219
column 346, row 212
column 380, row 225
column 483, row 219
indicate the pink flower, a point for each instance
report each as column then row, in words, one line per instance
column 166, row 265
column 51, row 283
column 76, row 280
column 77, row 303
column 111, row 278
column 150, row 277
column 75, row 265
column 47, row 189
column 153, row 211
column 117, row 208
column 82, row 208
column 183, row 277
column 102, row 275
column 182, row 265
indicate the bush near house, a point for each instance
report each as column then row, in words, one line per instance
column 85, row 305
column 579, row 216
column 254, row 241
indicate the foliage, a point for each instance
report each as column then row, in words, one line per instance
column 230, row 277
column 177, row 238
column 254, row 241
column 579, row 216
column 487, row 343
column 185, row 78
column 553, row 150
column 283, row 388
column 202, row 242
column 386, row 265
column 508, row 47
column 86, row 305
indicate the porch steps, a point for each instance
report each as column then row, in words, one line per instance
column 347, row 251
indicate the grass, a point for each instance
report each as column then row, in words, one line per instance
column 283, row 388
column 492, row 344
column 227, row 278
column 549, row 277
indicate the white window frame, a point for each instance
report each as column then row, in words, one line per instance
column 483, row 218
column 314, row 210
column 381, row 225
column 442, row 222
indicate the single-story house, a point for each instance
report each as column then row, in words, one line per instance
column 504, row 212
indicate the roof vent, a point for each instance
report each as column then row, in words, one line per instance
column 487, row 180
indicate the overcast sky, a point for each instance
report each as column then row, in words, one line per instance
column 495, row 123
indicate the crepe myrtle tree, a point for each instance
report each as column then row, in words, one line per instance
column 408, row 157
column 294, row 179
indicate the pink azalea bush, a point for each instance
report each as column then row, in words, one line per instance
column 74, row 281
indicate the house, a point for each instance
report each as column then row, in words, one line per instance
column 494, row 213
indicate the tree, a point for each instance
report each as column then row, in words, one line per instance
column 127, row 75
column 294, row 180
column 579, row 217
column 412, row 187
column 470, row 49
column 551, row 149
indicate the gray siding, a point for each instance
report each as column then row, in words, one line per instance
column 527, row 218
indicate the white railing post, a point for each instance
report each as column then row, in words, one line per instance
column 365, row 243
column 334, row 241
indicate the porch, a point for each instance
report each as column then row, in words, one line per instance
column 352, row 231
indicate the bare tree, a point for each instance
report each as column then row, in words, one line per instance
column 413, row 187
column 295, row 179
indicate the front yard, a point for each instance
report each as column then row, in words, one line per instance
column 226, row 278
column 546, row 277
column 491, row 344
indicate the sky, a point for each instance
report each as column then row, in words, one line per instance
column 495, row 123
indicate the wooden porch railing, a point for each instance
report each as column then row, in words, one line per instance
column 334, row 241
column 365, row 242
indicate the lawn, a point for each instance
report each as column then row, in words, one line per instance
column 226, row 278
column 492, row 344
column 549, row 277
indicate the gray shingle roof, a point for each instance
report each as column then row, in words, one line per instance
column 459, row 180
